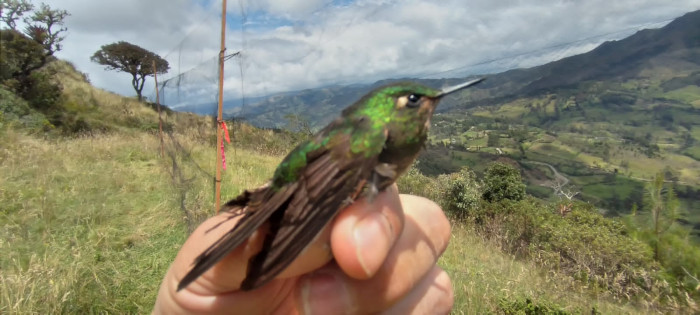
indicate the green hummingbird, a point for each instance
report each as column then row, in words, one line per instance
column 362, row 152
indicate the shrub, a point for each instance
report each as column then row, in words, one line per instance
column 595, row 250
column 14, row 109
column 413, row 182
column 503, row 181
column 40, row 92
column 457, row 193
column 463, row 193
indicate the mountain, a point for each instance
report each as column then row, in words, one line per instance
column 209, row 108
column 318, row 106
column 665, row 53
column 672, row 50
column 608, row 121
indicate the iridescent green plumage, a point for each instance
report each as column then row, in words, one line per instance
column 360, row 153
column 378, row 107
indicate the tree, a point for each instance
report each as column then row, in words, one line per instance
column 40, row 27
column 12, row 10
column 20, row 55
column 132, row 59
column 503, row 181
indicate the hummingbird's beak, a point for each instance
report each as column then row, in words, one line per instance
column 455, row 88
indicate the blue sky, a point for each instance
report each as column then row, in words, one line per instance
column 296, row 44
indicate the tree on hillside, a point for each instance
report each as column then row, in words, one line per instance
column 132, row 59
column 41, row 27
column 463, row 193
column 12, row 10
column 24, row 54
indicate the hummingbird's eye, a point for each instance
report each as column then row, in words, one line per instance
column 413, row 100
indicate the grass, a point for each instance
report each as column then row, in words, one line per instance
column 693, row 152
column 483, row 276
column 618, row 188
column 83, row 217
column 91, row 224
column 695, row 132
column 687, row 94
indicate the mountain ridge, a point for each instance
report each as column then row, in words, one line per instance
column 668, row 52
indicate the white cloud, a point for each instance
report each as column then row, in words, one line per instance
column 298, row 44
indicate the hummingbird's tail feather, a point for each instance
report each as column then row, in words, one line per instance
column 255, row 212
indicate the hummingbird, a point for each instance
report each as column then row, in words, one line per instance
column 360, row 153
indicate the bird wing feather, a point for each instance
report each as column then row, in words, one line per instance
column 297, row 211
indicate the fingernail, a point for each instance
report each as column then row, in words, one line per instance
column 324, row 293
column 373, row 238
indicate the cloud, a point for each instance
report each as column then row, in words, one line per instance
column 296, row 44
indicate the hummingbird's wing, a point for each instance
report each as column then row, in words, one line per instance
column 296, row 212
column 327, row 185
column 254, row 211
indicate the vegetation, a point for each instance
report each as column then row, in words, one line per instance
column 41, row 25
column 132, row 59
column 570, row 239
column 502, row 182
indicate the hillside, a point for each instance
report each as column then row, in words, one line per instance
column 652, row 54
column 608, row 119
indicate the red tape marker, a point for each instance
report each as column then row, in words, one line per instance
column 223, row 125
column 223, row 156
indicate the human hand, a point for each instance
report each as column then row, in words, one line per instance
column 383, row 259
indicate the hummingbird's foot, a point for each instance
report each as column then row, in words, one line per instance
column 385, row 170
column 372, row 190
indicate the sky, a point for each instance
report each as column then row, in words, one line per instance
column 288, row 45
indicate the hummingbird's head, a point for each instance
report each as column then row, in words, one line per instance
column 402, row 112
column 417, row 101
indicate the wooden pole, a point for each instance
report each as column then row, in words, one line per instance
column 219, row 116
column 160, row 120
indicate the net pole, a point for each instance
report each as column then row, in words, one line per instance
column 219, row 116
